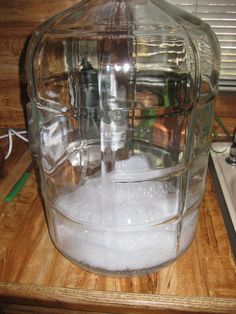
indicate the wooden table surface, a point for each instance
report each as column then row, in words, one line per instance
column 36, row 278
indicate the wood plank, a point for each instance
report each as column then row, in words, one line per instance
column 91, row 300
column 226, row 109
column 24, row 309
column 31, row 10
column 18, row 19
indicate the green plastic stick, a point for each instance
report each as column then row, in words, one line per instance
column 222, row 126
column 19, row 185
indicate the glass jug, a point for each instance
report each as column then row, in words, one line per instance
column 122, row 98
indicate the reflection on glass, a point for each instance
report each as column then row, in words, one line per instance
column 122, row 96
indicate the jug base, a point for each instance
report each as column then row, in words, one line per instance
column 122, row 273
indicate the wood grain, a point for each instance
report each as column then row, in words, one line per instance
column 34, row 273
column 18, row 19
column 226, row 109
column 25, row 309
column 114, row 302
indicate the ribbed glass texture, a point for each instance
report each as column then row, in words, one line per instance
column 122, row 97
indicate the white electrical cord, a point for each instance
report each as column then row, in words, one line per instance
column 9, row 135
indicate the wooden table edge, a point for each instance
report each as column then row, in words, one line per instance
column 118, row 302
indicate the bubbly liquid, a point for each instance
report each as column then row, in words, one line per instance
column 124, row 227
column 134, row 205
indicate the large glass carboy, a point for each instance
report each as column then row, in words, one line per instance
column 122, row 98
